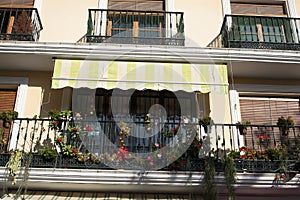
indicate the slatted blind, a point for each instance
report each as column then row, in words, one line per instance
column 7, row 99
column 16, row 3
column 258, row 9
column 267, row 111
column 147, row 5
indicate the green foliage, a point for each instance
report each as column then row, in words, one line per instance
column 14, row 164
column 9, row 115
column 285, row 122
column 209, row 178
column 230, row 176
column 205, row 121
column 48, row 153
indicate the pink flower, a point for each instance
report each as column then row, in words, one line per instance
column 151, row 163
column 159, row 155
column 149, row 158
column 156, row 144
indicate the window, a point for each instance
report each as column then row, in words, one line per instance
column 261, row 22
column 136, row 18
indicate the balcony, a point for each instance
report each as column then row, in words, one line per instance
column 258, row 32
column 135, row 27
column 139, row 144
column 22, row 24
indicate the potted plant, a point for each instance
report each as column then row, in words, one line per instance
column 206, row 122
column 243, row 127
column 285, row 124
column 7, row 117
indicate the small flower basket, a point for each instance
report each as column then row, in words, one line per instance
column 242, row 126
column 206, row 122
column 285, row 124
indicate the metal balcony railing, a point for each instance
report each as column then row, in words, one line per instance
column 258, row 32
column 135, row 27
column 91, row 144
column 23, row 24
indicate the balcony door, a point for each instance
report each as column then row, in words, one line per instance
column 261, row 23
column 136, row 19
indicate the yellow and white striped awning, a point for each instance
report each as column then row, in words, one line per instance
column 140, row 75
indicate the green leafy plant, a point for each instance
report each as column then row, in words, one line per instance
column 285, row 124
column 205, row 122
column 48, row 153
column 243, row 127
column 8, row 116
column 230, row 176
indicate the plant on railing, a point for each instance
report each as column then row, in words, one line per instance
column 263, row 139
column 209, row 178
column 14, row 163
column 206, row 122
column 243, row 127
column 230, row 176
column 285, row 124
column 7, row 117
column 57, row 117
column 47, row 149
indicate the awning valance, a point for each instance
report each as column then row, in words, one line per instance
column 139, row 75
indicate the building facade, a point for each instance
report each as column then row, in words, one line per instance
column 154, row 67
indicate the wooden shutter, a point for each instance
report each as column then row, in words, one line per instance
column 7, row 102
column 267, row 111
column 7, row 99
column 258, row 9
column 156, row 5
column 17, row 3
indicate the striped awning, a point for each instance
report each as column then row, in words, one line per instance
column 139, row 75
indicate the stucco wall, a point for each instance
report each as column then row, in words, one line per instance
column 40, row 97
column 203, row 20
column 65, row 20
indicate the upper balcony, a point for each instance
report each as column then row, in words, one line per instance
column 135, row 27
column 258, row 32
column 23, row 24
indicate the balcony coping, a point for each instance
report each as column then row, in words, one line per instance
column 88, row 180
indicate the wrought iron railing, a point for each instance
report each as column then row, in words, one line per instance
column 258, row 32
column 22, row 24
column 135, row 27
column 78, row 143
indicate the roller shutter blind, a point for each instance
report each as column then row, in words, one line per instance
column 152, row 5
column 267, row 111
column 17, row 3
column 258, row 9
column 7, row 99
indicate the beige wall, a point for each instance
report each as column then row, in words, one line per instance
column 297, row 7
column 65, row 20
column 40, row 97
column 203, row 20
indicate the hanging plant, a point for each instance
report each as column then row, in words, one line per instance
column 209, row 178
column 14, row 164
column 230, row 176
column 206, row 122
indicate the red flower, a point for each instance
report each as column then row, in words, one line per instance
column 74, row 150
column 198, row 146
column 282, row 176
column 88, row 128
column 74, row 129
column 54, row 123
column 59, row 140
column 173, row 129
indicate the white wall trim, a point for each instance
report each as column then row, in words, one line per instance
column 226, row 7
column 235, row 117
column 169, row 5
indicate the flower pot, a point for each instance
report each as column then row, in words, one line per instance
column 243, row 130
column 284, row 131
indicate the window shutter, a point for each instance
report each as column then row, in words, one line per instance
column 152, row 5
column 17, row 3
column 267, row 111
column 7, row 99
column 258, row 9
